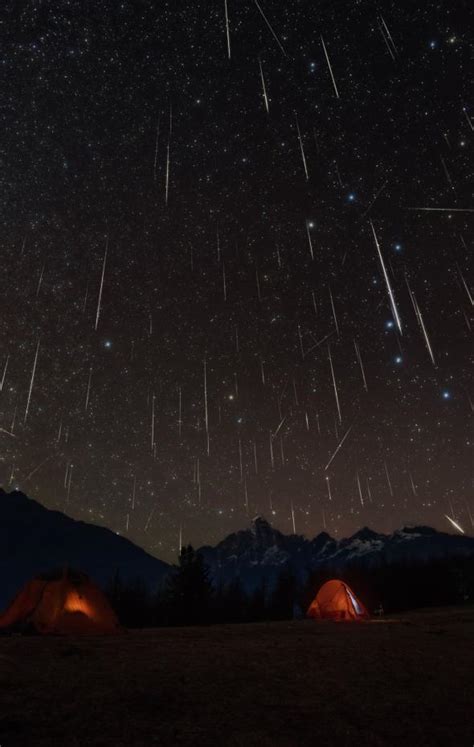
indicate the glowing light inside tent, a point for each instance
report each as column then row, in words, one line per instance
column 76, row 603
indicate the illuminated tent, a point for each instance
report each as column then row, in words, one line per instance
column 64, row 602
column 336, row 601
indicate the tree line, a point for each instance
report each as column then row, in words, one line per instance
column 189, row 597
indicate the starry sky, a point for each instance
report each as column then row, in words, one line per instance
column 236, row 244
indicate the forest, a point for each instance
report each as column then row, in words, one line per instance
column 189, row 597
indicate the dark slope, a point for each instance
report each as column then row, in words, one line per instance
column 34, row 539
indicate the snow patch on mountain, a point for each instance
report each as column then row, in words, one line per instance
column 260, row 552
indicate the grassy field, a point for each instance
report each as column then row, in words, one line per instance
column 401, row 681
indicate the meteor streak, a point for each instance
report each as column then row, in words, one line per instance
column 338, row 447
column 455, row 524
column 265, row 97
column 35, row 470
column 309, row 240
column 442, row 209
column 227, row 28
column 274, row 435
column 387, row 281
column 359, row 358
column 330, row 68
column 99, row 299
column 334, row 385
column 31, row 382
column 2, row 382
column 421, row 322
column 305, row 165
column 9, row 433
column 270, row 27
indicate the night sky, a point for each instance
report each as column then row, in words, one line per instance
column 214, row 280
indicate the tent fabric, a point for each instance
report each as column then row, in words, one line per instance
column 69, row 603
column 336, row 601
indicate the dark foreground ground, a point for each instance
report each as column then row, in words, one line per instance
column 404, row 681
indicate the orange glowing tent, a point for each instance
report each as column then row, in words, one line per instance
column 67, row 602
column 336, row 601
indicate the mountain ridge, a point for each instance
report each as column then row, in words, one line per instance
column 259, row 554
column 34, row 539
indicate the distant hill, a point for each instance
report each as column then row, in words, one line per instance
column 34, row 539
column 261, row 552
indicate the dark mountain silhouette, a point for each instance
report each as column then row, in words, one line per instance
column 261, row 553
column 34, row 539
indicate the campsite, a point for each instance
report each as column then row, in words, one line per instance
column 376, row 653
column 84, row 665
column 404, row 679
column 236, row 400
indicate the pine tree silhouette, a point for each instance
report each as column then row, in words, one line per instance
column 189, row 594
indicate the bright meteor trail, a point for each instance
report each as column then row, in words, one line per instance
column 387, row 281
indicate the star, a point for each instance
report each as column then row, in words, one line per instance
column 176, row 197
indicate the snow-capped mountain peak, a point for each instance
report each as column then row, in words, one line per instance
column 260, row 552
